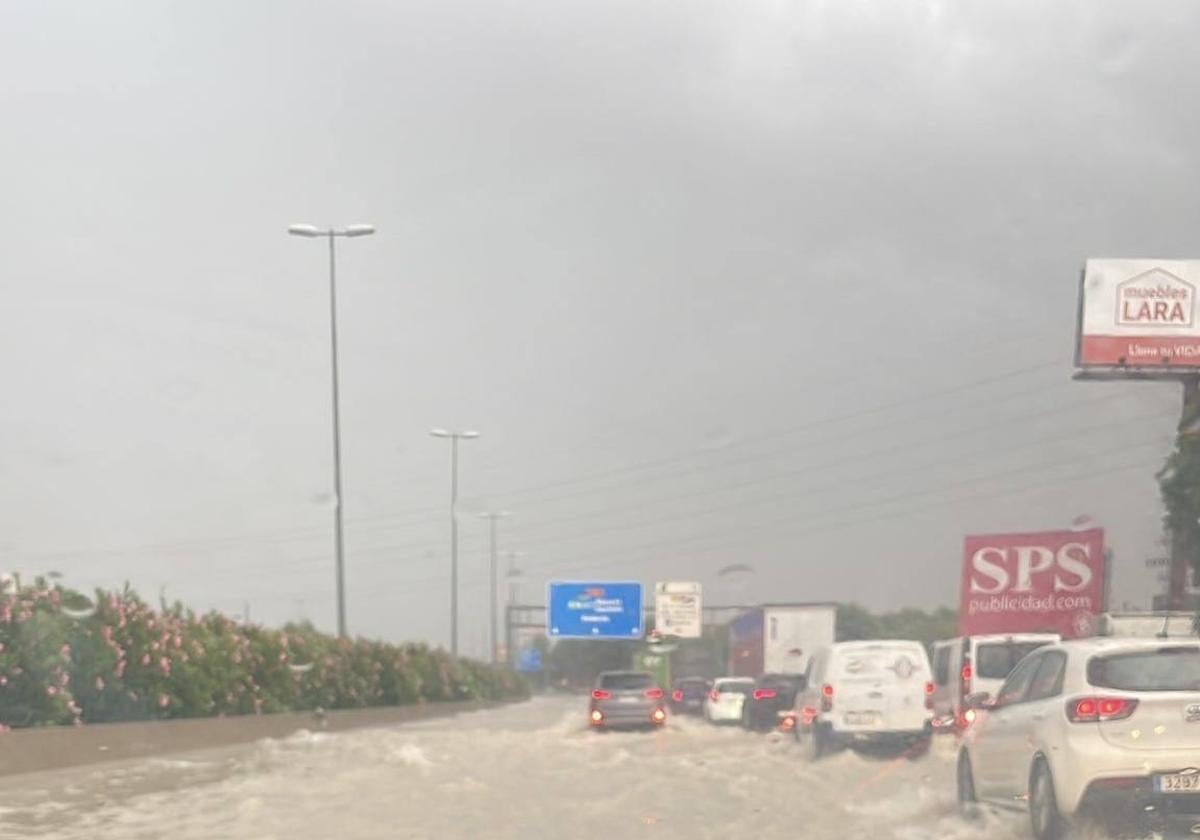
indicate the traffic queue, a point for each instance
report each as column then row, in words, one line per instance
column 1102, row 730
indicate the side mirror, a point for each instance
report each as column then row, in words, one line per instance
column 978, row 700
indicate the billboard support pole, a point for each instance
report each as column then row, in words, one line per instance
column 1183, row 547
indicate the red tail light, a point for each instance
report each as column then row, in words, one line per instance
column 601, row 694
column 929, row 695
column 654, row 693
column 677, row 696
column 966, row 673
column 1095, row 709
column 764, row 694
column 827, row 698
column 714, row 695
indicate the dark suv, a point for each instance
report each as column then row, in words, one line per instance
column 688, row 693
column 772, row 695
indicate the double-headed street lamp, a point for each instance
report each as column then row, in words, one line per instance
column 454, row 438
column 332, row 234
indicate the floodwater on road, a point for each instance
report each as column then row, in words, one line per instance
column 531, row 770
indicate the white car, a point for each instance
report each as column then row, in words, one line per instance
column 976, row 664
column 1096, row 727
column 724, row 701
column 864, row 693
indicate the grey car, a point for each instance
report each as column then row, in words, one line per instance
column 626, row 699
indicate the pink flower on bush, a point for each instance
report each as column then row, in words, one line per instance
column 165, row 665
column 65, row 651
column 99, row 683
column 120, row 670
column 163, row 701
column 145, row 659
column 3, row 680
column 52, row 690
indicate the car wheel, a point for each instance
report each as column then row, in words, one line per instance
column 1046, row 821
column 968, row 803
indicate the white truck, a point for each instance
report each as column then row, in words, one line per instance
column 1147, row 625
column 779, row 638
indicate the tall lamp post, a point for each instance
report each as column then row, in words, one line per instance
column 454, row 438
column 493, row 582
column 333, row 234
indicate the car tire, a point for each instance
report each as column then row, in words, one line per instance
column 968, row 801
column 1044, row 817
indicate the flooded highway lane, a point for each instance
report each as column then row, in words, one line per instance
column 525, row 771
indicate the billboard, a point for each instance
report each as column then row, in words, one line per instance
column 1139, row 314
column 1052, row 581
column 677, row 609
column 594, row 610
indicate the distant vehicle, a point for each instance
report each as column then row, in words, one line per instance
column 779, row 638
column 771, row 697
column 861, row 694
column 1100, row 726
column 688, row 693
column 1147, row 625
column 725, row 699
column 626, row 699
column 974, row 664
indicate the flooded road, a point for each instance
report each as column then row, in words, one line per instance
column 525, row 771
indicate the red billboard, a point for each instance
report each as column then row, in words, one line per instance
column 1051, row 582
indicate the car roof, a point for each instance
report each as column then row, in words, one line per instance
column 625, row 674
column 868, row 644
column 1111, row 644
column 735, row 679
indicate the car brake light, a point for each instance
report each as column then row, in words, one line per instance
column 966, row 673
column 1094, row 709
column 827, row 698
column 677, row 696
column 654, row 693
column 601, row 694
column 928, row 695
column 714, row 695
column 764, row 694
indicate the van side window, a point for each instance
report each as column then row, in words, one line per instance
column 941, row 665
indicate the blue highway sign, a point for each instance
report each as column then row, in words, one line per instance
column 529, row 661
column 603, row 610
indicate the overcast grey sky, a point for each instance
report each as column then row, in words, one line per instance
column 790, row 284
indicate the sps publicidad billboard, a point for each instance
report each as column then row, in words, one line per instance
column 1139, row 314
column 1052, row 582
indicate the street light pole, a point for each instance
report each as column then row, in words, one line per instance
column 309, row 231
column 493, row 582
column 454, row 437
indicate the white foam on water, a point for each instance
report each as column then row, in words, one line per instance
column 525, row 771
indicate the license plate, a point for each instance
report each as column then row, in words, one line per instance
column 627, row 699
column 862, row 718
column 1177, row 783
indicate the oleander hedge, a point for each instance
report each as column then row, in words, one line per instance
column 66, row 658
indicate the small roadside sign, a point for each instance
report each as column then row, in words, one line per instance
column 677, row 609
column 529, row 661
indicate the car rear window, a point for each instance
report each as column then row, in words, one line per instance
column 735, row 687
column 880, row 662
column 995, row 660
column 624, row 681
column 1163, row 669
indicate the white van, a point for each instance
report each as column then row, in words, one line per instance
column 862, row 693
column 972, row 664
